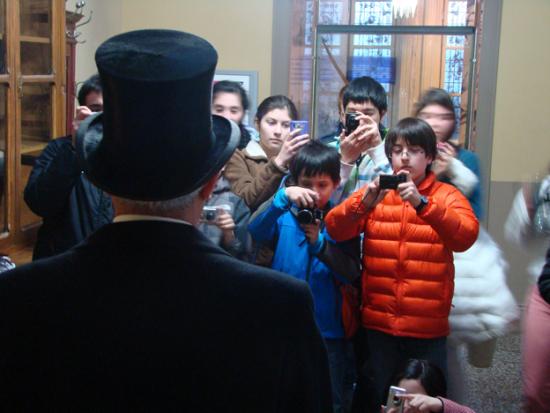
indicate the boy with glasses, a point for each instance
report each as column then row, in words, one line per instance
column 410, row 233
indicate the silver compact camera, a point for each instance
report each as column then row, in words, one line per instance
column 210, row 213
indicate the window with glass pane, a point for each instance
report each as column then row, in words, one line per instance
column 35, row 37
column 3, row 158
column 36, row 130
column 457, row 15
column 391, row 60
column 413, row 65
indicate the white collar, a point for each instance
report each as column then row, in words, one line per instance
column 136, row 217
column 254, row 149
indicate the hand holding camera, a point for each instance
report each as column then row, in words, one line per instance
column 302, row 197
column 420, row 403
column 374, row 194
column 360, row 134
column 220, row 215
column 445, row 154
column 293, row 142
column 82, row 112
column 407, row 190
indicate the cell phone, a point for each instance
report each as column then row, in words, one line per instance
column 392, row 181
column 210, row 213
column 393, row 401
column 351, row 122
column 303, row 125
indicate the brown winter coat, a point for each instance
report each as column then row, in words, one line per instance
column 252, row 176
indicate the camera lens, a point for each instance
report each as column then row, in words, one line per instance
column 305, row 216
column 211, row 215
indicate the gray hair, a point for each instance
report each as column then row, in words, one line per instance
column 175, row 204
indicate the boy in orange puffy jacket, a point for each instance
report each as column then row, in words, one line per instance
column 410, row 232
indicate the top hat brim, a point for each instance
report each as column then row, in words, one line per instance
column 151, row 177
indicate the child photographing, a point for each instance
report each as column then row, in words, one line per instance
column 410, row 233
column 293, row 224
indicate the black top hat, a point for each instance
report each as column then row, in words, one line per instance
column 155, row 139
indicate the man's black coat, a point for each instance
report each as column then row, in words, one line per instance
column 150, row 315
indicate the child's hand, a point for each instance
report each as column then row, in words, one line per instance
column 445, row 154
column 421, row 403
column 366, row 136
column 374, row 194
column 408, row 191
column 302, row 197
column 312, row 231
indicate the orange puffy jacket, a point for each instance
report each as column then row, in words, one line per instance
column 408, row 271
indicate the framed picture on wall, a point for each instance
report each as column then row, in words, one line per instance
column 248, row 79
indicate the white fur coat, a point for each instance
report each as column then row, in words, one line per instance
column 483, row 306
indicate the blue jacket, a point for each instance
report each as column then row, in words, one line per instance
column 296, row 257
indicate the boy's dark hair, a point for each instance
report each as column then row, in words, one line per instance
column 364, row 89
column 227, row 86
column 276, row 102
column 315, row 158
column 92, row 84
column 436, row 96
column 414, row 132
column 430, row 376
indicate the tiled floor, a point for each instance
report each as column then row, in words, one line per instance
column 497, row 389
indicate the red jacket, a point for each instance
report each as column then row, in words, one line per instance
column 408, row 271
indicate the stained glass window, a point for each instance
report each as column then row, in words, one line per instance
column 457, row 15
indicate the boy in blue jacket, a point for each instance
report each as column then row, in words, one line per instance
column 292, row 223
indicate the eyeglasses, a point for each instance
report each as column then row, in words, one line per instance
column 411, row 152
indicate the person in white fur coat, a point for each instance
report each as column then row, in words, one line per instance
column 483, row 306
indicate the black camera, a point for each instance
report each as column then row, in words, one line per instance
column 309, row 215
column 392, row 181
column 351, row 122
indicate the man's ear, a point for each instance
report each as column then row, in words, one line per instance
column 382, row 114
column 207, row 189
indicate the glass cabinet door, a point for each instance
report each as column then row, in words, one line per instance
column 3, row 159
column 3, row 37
column 35, row 90
column 36, row 37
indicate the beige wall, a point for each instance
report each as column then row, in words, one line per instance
column 521, row 145
column 239, row 29
column 106, row 22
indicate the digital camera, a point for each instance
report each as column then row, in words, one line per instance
column 210, row 213
column 394, row 402
column 392, row 181
column 351, row 122
column 309, row 215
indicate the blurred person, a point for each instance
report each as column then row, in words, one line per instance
column 362, row 149
column 426, row 390
column 71, row 207
column 224, row 221
column 409, row 236
column 229, row 99
column 528, row 226
column 147, row 314
column 483, row 306
column 304, row 250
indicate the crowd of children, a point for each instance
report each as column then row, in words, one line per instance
column 372, row 220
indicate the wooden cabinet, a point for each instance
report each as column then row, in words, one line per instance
column 32, row 104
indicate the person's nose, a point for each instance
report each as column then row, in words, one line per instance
column 278, row 130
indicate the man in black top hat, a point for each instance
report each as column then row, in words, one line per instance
column 147, row 314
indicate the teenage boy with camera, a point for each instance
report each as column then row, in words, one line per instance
column 293, row 224
column 364, row 104
column 410, row 232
